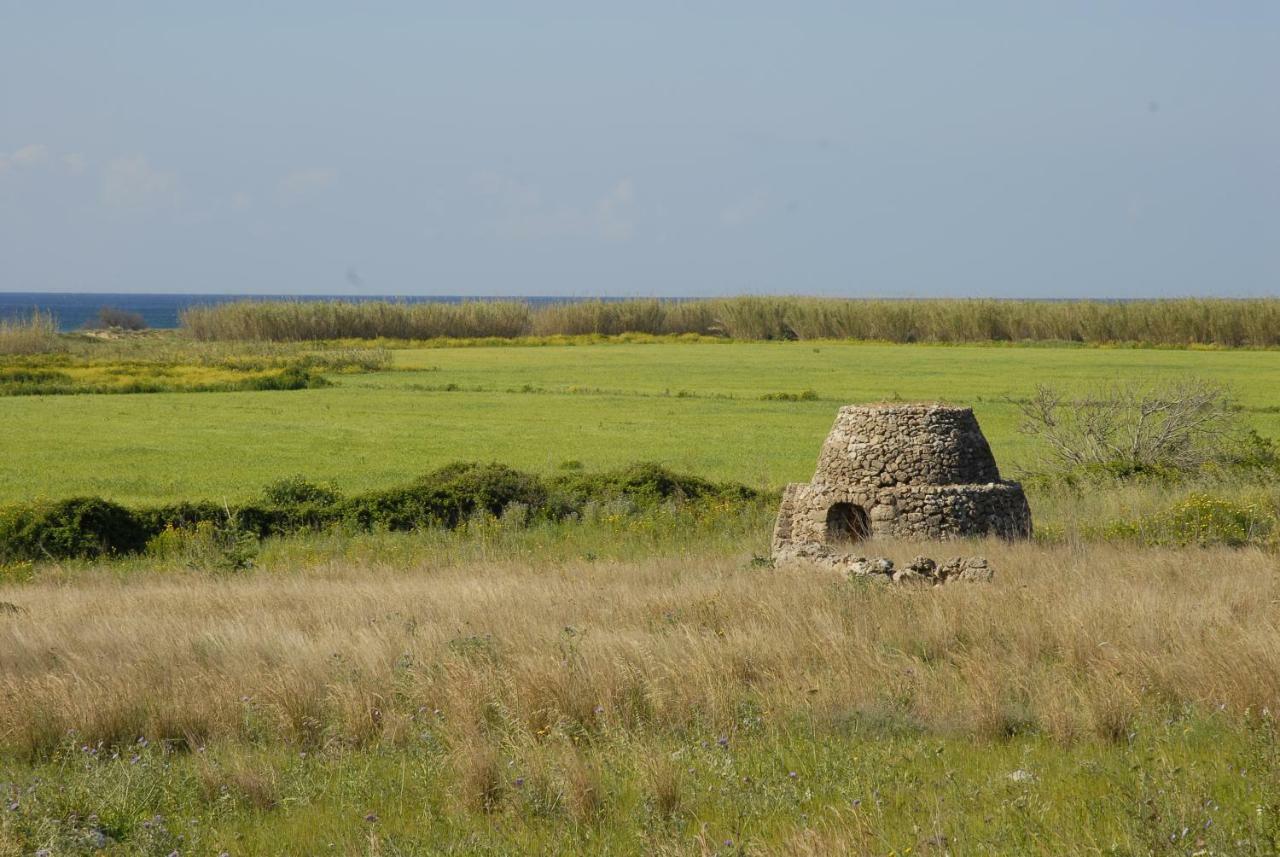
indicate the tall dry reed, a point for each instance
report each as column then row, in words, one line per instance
column 1178, row 322
column 35, row 334
column 1072, row 641
column 297, row 321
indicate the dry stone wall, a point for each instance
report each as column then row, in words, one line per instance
column 901, row 471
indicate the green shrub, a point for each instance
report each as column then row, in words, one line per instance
column 1199, row 519
column 448, row 496
column 209, row 535
column 78, row 528
column 291, row 378
column 206, row 546
column 645, row 482
column 290, row 505
column 295, row 490
column 180, row 515
column 802, row 396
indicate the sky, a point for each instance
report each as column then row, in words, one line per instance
column 969, row 148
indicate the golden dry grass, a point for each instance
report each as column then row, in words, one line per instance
column 34, row 334
column 1075, row 641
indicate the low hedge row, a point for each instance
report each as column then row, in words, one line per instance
column 91, row 527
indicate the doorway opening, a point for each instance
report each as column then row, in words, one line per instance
column 847, row 523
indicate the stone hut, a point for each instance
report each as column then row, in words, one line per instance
column 914, row 471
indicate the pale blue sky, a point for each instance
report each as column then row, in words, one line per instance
column 1096, row 149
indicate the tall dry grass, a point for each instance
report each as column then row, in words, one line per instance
column 35, row 334
column 299, row 321
column 1178, row 322
column 1072, row 641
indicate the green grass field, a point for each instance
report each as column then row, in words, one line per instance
column 695, row 407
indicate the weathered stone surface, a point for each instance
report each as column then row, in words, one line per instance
column 908, row 471
column 923, row 565
column 880, row 565
column 909, row 576
column 967, row 569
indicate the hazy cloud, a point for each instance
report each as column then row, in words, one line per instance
column 241, row 200
column 35, row 155
column 522, row 213
column 29, row 157
column 301, row 184
column 132, row 183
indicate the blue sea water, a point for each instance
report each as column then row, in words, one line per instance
column 73, row 309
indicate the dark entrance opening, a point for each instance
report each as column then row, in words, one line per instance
column 847, row 523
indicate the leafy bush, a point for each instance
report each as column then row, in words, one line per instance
column 296, row 490
column 644, row 483
column 81, row 527
column 180, row 515
column 1199, row 519
column 206, row 546
column 290, row 505
column 448, row 496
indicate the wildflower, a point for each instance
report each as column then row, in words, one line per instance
column 792, row 775
column 723, row 741
column 519, row 782
column 371, row 817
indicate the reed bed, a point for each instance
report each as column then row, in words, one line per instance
column 297, row 321
column 35, row 334
column 1073, row 642
column 1175, row 322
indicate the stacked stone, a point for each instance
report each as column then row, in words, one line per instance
column 915, row 470
column 880, row 446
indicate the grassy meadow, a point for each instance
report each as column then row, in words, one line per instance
column 695, row 407
column 1090, row 701
column 631, row 680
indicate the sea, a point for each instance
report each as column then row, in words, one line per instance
column 73, row 309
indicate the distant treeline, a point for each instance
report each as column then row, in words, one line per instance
column 1180, row 322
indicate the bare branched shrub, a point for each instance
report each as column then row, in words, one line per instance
column 108, row 317
column 1128, row 429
